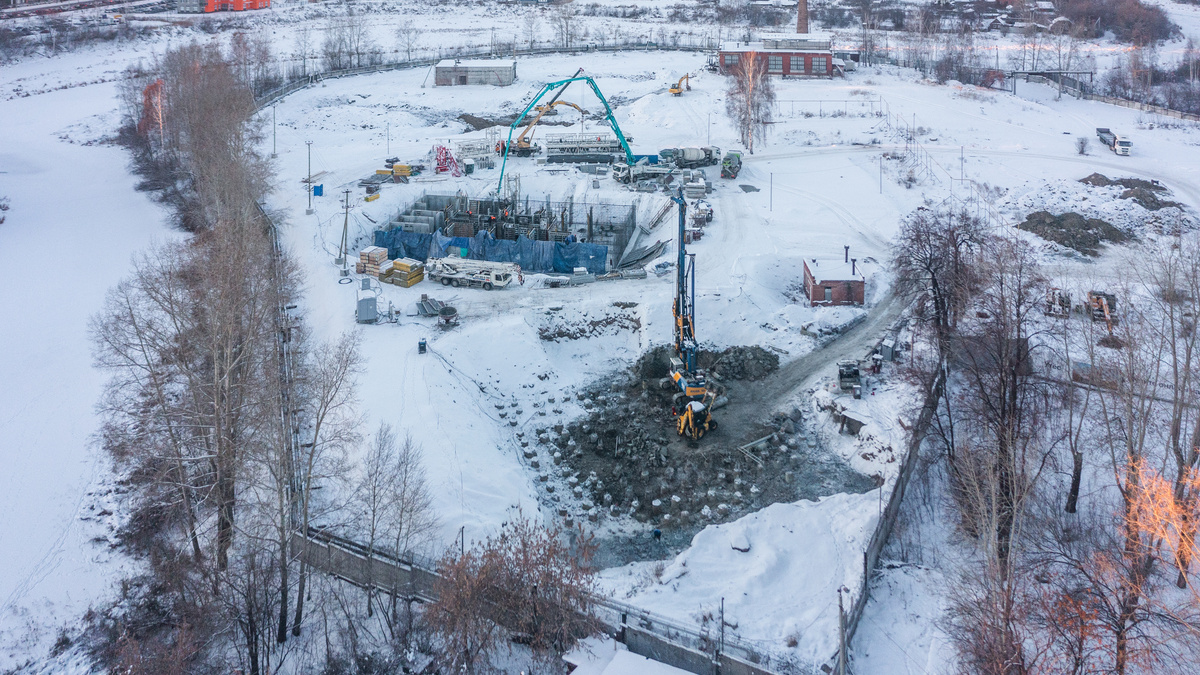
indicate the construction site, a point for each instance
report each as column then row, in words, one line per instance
column 587, row 299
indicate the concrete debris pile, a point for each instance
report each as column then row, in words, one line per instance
column 741, row 363
column 561, row 325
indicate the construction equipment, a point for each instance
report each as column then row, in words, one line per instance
column 678, row 87
column 483, row 274
column 524, row 146
column 731, row 166
column 608, row 116
column 1103, row 307
column 848, row 375
column 692, row 158
column 1058, row 303
column 694, row 396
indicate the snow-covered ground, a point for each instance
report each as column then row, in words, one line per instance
column 76, row 219
column 74, row 224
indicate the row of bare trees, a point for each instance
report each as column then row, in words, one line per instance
column 236, row 431
column 229, row 449
column 1069, row 454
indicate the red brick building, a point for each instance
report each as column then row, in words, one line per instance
column 209, row 6
column 829, row 281
column 787, row 54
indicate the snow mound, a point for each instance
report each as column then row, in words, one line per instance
column 782, row 587
column 1092, row 201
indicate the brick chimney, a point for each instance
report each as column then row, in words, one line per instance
column 802, row 17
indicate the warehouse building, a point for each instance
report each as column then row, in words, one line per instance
column 829, row 281
column 787, row 54
column 498, row 72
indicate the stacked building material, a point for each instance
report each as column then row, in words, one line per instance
column 374, row 260
column 406, row 272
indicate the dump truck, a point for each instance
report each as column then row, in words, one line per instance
column 1119, row 145
column 731, row 165
column 483, row 274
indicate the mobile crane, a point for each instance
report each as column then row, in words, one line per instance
column 694, row 400
column 678, row 88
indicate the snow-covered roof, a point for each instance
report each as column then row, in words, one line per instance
column 1045, row 5
column 834, row 269
column 760, row 47
column 476, row 63
column 826, row 37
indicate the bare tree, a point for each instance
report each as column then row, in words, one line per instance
column 407, row 35
column 392, row 500
column 750, row 98
column 328, row 397
column 527, row 579
column 532, row 23
column 565, row 25
column 934, row 255
column 304, row 46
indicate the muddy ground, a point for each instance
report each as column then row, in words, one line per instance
column 625, row 458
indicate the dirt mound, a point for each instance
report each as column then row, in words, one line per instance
column 1100, row 180
column 1074, row 231
column 1147, row 199
column 741, row 363
column 478, row 123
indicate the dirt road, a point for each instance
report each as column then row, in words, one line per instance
column 751, row 405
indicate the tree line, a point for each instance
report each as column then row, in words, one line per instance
column 234, row 428
column 1066, row 449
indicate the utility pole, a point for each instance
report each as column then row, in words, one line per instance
column 274, row 139
column 841, row 635
column 771, row 201
column 341, row 259
column 709, row 128
column 389, row 138
column 962, row 162
column 881, row 174
column 309, row 181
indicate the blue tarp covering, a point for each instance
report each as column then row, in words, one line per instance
column 532, row 256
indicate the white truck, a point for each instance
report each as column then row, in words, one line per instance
column 459, row 272
column 1118, row 144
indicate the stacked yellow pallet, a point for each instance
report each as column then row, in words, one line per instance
column 401, row 170
column 406, row 272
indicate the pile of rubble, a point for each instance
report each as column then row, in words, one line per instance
column 741, row 363
column 625, row 459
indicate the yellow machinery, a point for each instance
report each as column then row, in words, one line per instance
column 523, row 145
column 678, row 88
column 696, row 418
column 1103, row 307
column 694, row 400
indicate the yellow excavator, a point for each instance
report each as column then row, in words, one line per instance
column 523, row 145
column 677, row 89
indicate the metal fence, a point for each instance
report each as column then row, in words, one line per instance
column 685, row 43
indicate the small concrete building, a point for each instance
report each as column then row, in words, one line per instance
column 498, row 72
column 787, row 54
column 829, row 281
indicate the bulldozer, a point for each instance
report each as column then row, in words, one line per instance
column 677, row 89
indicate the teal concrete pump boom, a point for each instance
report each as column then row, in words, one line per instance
column 608, row 115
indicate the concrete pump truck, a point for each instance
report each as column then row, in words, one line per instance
column 694, row 400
